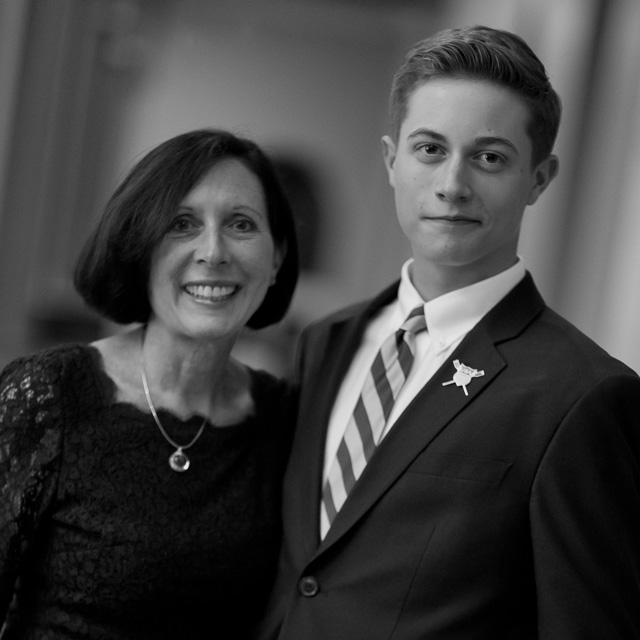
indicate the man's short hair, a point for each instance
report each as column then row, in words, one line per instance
column 112, row 272
column 487, row 54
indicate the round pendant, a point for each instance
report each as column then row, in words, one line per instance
column 179, row 461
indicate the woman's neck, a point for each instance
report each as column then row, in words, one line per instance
column 189, row 376
column 185, row 377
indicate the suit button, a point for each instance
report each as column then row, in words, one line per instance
column 308, row 586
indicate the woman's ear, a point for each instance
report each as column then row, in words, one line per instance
column 279, row 253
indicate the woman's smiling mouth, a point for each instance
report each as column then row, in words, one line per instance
column 212, row 293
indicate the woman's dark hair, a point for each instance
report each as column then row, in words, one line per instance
column 112, row 272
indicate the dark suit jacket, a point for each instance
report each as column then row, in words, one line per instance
column 510, row 513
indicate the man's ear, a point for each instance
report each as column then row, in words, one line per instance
column 389, row 155
column 544, row 174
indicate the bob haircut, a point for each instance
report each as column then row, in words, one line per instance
column 486, row 54
column 112, row 271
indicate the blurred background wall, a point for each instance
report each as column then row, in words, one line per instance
column 87, row 86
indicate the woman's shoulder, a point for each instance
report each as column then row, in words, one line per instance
column 273, row 395
column 32, row 398
column 35, row 386
column 45, row 368
column 275, row 410
column 268, row 384
column 120, row 362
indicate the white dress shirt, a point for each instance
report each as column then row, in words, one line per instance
column 449, row 318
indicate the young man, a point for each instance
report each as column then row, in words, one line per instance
column 500, row 497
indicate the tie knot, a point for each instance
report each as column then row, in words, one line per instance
column 415, row 321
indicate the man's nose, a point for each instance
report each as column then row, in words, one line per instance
column 454, row 183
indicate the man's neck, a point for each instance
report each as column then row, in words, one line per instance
column 432, row 282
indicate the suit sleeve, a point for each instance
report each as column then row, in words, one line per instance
column 585, row 518
column 302, row 351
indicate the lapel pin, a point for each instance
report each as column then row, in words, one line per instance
column 463, row 376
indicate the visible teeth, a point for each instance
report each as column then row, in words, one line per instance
column 207, row 291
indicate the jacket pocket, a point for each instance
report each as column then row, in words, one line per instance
column 444, row 465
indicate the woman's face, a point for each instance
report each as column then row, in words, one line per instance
column 217, row 259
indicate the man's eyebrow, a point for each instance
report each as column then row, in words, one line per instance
column 427, row 132
column 489, row 140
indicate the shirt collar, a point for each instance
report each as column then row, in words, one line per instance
column 454, row 314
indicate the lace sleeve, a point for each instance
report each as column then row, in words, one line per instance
column 30, row 438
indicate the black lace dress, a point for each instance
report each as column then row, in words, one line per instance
column 100, row 538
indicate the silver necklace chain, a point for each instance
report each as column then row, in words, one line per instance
column 178, row 460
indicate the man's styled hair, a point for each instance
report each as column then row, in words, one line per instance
column 486, row 54
column 112, row 272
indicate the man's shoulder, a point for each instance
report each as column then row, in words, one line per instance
column 545, row 345
column 365, row 309
column 344, row 314
column 533, row 335
column 568, row 344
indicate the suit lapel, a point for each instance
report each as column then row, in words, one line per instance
column 425, row 417
column 436, row 405
column 323, row 376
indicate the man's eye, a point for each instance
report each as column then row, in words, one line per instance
column 491, row 158
column 429, row 149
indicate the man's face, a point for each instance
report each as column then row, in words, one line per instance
column 462, row 176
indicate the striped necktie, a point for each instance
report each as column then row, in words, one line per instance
column 388, row 373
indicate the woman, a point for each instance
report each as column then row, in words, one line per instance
column 139, row 475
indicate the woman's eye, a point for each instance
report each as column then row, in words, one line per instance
column 243, row 225
column 180, row 224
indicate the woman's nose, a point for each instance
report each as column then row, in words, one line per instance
column 454, row 182
column 212, row 247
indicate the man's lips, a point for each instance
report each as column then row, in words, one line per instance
column 451, row 220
